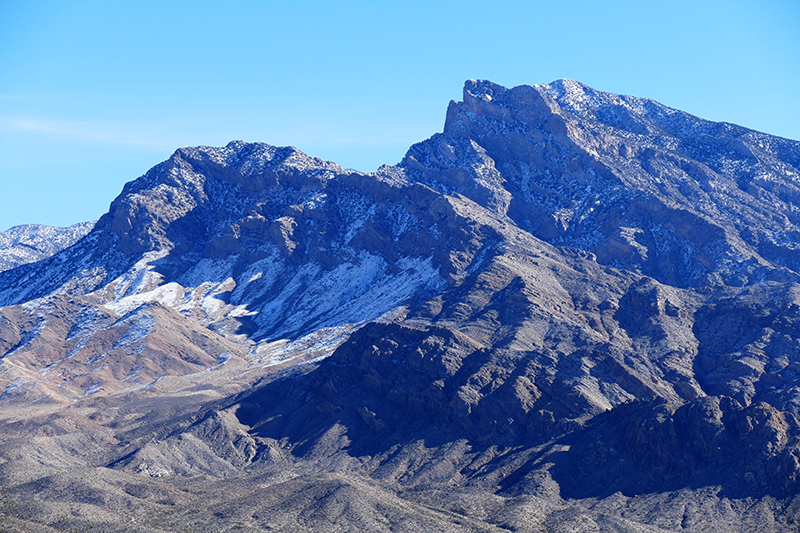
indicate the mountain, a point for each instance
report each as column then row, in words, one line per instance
column 570, row 310
column 33, row 242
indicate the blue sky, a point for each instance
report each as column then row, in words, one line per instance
column 92, row 94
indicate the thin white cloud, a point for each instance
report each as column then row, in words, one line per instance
column 106, row 133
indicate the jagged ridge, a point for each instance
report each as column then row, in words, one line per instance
column 570, row 308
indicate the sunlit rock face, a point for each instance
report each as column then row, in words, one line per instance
column 643, row 186
column 570, row 308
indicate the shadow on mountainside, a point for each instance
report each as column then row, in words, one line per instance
column 647, row 447
column 389, row 389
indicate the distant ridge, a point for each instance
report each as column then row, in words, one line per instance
column 33, row 242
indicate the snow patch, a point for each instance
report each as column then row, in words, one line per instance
column 168, row 295
column 323, row 341
column 139, row 277
column 141, row 323
column 351, row 293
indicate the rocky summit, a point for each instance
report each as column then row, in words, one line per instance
column 569, row 311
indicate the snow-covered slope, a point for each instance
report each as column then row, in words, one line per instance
column 249, row 242
column 34, row 242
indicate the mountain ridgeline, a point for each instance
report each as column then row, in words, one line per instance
column 570, row 310
column 33, row 242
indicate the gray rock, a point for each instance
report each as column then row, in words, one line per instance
column 571, row 310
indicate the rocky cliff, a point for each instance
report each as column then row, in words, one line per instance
column 570, row 309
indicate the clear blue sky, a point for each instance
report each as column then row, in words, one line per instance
column 92, row 94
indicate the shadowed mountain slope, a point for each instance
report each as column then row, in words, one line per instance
column 571, row 310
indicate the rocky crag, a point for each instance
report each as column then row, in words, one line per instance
column 571, row 310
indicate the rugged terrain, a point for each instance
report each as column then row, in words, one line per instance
column 34, row 242
column 569, row 311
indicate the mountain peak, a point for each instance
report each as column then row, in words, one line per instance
column 558, row 158
column 482, row 89
column 565, row 298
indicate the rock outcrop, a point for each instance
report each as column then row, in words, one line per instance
column 570, row 309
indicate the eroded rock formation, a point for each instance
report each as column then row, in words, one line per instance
column 570, row 309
